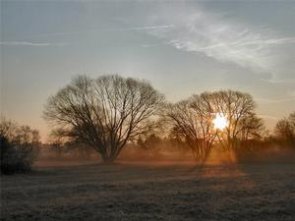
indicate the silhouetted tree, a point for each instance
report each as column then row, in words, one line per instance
column 285, row 129
column 251, row 127
column 104, row 113
column 192, row 120
column 192, row 127
column 239, row 110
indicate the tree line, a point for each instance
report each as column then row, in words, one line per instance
column 110, row 112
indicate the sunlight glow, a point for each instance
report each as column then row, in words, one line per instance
column 220, row 122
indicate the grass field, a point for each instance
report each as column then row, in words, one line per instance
column 151, row 192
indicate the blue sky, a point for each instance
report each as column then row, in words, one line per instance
column 181, row 47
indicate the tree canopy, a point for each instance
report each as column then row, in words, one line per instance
column 104, row 113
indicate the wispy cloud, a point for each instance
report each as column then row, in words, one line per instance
column 151, row 27
column 270, row 101
column 33, row 44
column 98, row 29
column 199, row 31
column 252, row 43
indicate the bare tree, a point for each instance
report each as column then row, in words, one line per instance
column 192, row 127
column 285, row 129
column 239, row 110
column 7, row 128
column 18, row 134
column 192, row 120
column 251, row 127
column 104, row 113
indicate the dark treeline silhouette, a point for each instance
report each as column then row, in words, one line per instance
column 19, row 147
column 112, row 112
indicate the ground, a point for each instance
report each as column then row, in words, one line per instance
column 161, row 191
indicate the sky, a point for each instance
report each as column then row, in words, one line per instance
column 180, row 47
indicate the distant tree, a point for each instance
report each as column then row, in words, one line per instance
column 19, row 147
column 57, row 140
column 151, row 142
column 18, row 134
column 285, row 129
column 104, row 113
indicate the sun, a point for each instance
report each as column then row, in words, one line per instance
column 220, row 122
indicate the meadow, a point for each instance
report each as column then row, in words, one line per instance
column 150, row 191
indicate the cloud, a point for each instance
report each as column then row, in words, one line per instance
column 269, row 101
column 153, row 27
column 196, row 30
column 92, row 30
column 33, row 44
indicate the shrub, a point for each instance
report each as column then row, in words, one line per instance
column 19, row 147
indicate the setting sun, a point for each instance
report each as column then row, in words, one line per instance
column 220, row 122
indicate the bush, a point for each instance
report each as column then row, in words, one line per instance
column 19, row 148
column 16, row 159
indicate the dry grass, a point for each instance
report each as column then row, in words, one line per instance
column 151, row 192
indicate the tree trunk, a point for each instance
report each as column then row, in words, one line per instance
column 108, row 158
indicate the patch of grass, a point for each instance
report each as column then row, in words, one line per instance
column 151, row 192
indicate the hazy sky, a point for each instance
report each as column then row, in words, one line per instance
column 180, row 47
